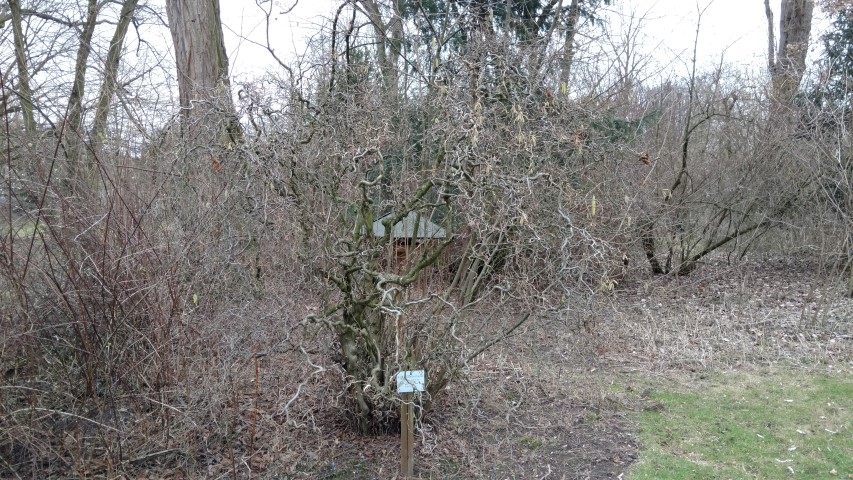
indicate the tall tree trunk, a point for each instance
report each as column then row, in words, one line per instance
column 208, row 113
column 209, row 131
column 789, row 64
column 24, row 91
column 389, row 40
column 74, row 131
column 568, row 53
column 110, row 82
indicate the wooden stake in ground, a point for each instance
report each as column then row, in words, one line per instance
column 408, row 382
column 407, row 436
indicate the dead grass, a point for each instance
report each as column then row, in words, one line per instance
column 760, row 314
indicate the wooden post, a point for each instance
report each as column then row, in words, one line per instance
column 407, row 436
column 408, row 382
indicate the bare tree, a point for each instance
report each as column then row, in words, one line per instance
column 701, row 194
column 111, row 70
column 389, row 38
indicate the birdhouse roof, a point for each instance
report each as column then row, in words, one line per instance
column 405, row 228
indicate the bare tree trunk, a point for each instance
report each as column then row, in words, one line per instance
column 74, row 132
column 795, row 25
column 389, row 40
column 204, row 90
column 24, row 91
column 771, row 37
column 395, row 25
column 108, row 87
column 209, row 133
column 647, row 240
column 568, row 53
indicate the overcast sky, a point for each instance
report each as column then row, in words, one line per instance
column 736, row 29
column 244, row 22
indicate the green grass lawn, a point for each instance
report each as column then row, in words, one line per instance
column 772, row 424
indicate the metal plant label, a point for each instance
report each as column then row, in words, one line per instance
column 410, row 381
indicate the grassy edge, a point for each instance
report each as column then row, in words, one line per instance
column 748, row 424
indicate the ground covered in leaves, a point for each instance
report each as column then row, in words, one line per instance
column 563, row 398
